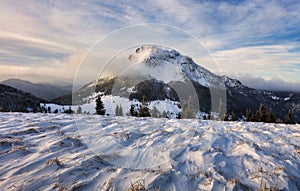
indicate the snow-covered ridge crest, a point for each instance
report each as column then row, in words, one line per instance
column 151, row 56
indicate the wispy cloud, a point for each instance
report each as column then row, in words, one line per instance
column 261, row 61
column 258, row 37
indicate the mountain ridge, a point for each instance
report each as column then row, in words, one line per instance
column 153, row 60
column 45, row 91
column 14, row 100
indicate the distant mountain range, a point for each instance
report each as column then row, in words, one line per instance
column 15, row 100
column 45, row 91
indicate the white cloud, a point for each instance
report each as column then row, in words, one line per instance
column 253, row 36
column 260, row 61
column 275, row 83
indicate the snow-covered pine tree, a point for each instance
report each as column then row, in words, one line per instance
column 155, row 113
column 79, row 110
column 188, row 111
column 164, row 114
column 221, row 110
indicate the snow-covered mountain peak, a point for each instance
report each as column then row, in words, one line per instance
column 159, row 59
column 154, row 55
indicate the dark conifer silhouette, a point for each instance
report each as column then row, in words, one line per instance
column 233, row 116
column 248, row 115
column 99, row 106
column 226, row 117
column 261, row 114
column 270, row 117
column 69, row 111
column 144, row 110
column 288, row 119
column 132, row 111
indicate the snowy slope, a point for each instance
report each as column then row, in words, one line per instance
column 48, row 152
column 111, row 102
column 169, row 65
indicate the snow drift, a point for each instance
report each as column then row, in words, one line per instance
column 48, row 152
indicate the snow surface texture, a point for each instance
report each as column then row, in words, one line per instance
column 47, row 152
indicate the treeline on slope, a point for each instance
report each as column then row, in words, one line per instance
column 189, row 112
column 45, row 109
column 14, row 100
column 261, row 115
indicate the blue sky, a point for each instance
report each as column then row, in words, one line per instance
column 256, row 41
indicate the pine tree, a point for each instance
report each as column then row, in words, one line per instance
column 79, row 110
column 188, row 110
column 221, row 110
column 226, row 117
column 49, row 109
column 69, row 111
column 164, row 114
column 121, row 111
column 288, row 119
column 261, row 113
column 117, row 111
column 144, row 110
column 270, row 118
column 209, row 116
column 155, row 113
column 132, row 111
column 233, row 116
column 212, row 117
column 99, row 106
column 179, row 115
column 248, row 115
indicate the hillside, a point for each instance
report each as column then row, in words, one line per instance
column 43, row 90
column 14, row 100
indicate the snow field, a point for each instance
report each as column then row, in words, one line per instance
column 51, row 152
